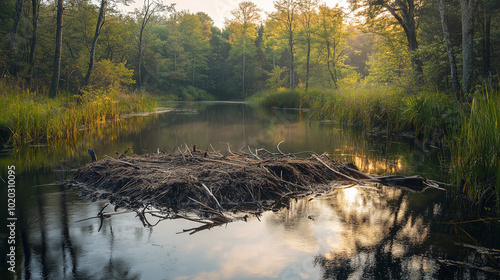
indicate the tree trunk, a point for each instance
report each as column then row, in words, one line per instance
column 140, row 59
column 468, row 11
column 308, row 58
column 35, row 4
column 487, row 46
column 328, row 60
column 451, row 56
column 411, row 35
column 292, row 68
column 243, row 68
column 98, row 27
column 15, row 26
column 194, row 68
column 407, row 21
column 57, row 55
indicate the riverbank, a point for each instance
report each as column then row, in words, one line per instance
column 471, row 139
column 32, row 117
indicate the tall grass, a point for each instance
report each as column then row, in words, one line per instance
column 286, row 98
column 33, row 117
column 384, row 107
column 476, row 163
column 473, row 139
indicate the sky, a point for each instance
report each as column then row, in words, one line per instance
column 218, row 10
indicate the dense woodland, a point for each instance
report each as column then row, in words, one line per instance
column 302, row 44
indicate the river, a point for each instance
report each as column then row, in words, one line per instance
column 359, row 232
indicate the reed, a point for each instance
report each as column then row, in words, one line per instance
column 32, row 117
column 368, row 107
column 287, row 98
column 476, row 161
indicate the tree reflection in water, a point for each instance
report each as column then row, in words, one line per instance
column 366, row 233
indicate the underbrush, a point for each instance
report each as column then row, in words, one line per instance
column 287, row 98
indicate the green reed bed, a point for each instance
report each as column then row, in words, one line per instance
column 472, row 139
column 476, row 162
column 287, row 98
column 368, row 107
column 33, row 117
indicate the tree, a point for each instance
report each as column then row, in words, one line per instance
column 15, row 26
column 57, row 54
column 286, row 16
column 332, row 39
column 468, row 8
column 100, row 23
column 307, row 15
column 244, row 22
column 451, row 56
column 35, row 11
column 149, row 9
column 405, row 12
column 195, row 42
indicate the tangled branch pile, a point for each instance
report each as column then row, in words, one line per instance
column 200, row 179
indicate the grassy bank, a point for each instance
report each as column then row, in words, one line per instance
column 423, row 114
column 32, row 117
column 473, row 139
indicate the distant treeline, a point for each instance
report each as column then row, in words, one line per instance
column 445, row 44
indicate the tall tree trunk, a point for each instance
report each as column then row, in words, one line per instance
column 243, row 68
column 194, row 68
column 308, row 58
column 15, row 26
column 292, row 67
column 487, row 46
column 451, row 56
column 328, row 60
column 468, row 8
column 139, row 72
column 407, row 21
column 98, row 27
column 35, row 7
column 57, row 55
column 411, row 35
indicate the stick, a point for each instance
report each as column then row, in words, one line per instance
column 255, row 155
column 229, row 148
column 363, row 175
column 215, row 150
column 212, row 195
column 349, row 178
column 183, row 157
column 278, row 147
column 124, row 162
column 187, row 148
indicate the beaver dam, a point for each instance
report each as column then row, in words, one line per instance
column 210, row 182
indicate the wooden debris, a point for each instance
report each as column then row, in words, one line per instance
column 209, row 182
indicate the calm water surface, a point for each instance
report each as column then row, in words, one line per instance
column 361, row 232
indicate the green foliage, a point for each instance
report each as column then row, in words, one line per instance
column 286, row 98
column 431, row 112
column 110, row 77
column 190, row 93
column 33, row 117
column 476, row 158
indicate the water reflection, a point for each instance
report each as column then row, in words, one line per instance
column 363, row 232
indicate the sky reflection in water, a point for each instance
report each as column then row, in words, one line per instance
column 359, row 232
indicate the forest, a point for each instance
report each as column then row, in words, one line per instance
column 302, row 44
column 428, row 67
